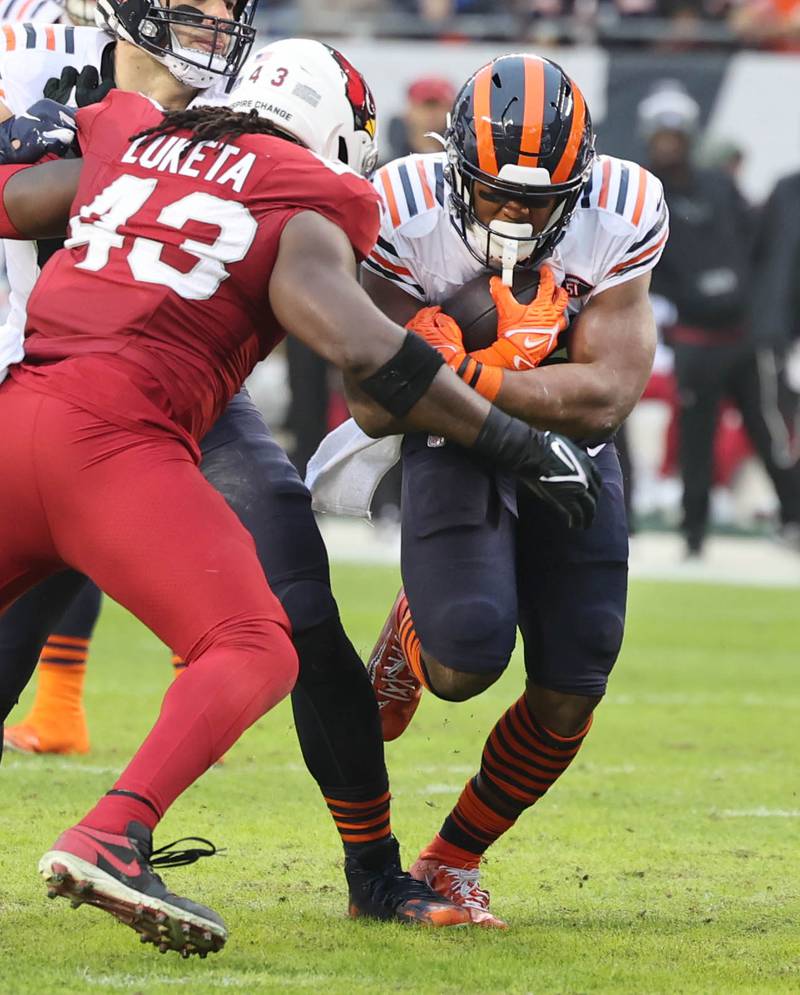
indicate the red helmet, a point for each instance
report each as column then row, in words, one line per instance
column 521, row 127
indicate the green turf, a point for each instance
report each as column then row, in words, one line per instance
column 666, row 860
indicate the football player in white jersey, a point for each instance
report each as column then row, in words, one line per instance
column 518, row 185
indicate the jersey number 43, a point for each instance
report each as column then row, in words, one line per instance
column 97, row 226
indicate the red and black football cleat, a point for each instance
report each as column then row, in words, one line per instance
column 397, row 690
column 115, row 873
column 380, row 889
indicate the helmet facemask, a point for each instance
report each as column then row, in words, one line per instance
column 520, row 127
column 214, row 51
column 507, row 245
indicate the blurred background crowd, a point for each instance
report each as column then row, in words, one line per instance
column 666, row 23
column 703, row 93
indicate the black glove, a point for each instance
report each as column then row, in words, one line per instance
column 46, row 127
column 88, row 86
column 554, row 468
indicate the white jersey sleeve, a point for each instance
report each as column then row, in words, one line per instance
column 632, row 221
column 38, row 11
column 412, row 195
column 30, row 54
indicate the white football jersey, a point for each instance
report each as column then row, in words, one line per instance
column 40, row 11
column 30, row 55
column 617, row 232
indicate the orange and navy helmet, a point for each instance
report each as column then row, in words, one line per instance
column 521, row 127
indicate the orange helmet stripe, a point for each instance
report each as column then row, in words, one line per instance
column 482, row 99
column 564, row 168
column 533, row 115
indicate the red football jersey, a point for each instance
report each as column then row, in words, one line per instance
column 157, row 307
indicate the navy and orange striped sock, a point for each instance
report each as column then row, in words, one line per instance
column 178, row 664
column 62, row 670
column 57, row 717
column 361, row 815
column 521, row 760
column 409, row 643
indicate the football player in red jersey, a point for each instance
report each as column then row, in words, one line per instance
column 202, row 240
column 334, row 709
column 333, row 705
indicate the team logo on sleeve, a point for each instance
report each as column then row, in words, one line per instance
column 575, row 286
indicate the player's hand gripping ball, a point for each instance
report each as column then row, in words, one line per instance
column 473, row 308
column 526, row 333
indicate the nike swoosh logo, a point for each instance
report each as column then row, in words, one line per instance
column 594, row 450
column 132, row 868
column 530, row 343
column 578, row 475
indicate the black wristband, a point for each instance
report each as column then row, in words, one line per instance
column 506, row 441
column 400, row 383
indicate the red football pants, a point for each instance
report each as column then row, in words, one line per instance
column 134, row 513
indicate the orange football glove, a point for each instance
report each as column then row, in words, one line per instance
column 526, row 333
column 441, row 331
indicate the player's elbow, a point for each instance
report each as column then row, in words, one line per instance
column 606, row 415
column 370, row 417
column 373, row 420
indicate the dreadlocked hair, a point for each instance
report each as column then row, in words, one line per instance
column 211, row 124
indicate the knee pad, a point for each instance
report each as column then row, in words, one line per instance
column 472, row 636
column 599, row 632
column 586, row 655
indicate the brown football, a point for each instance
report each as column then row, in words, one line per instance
column 472, row 307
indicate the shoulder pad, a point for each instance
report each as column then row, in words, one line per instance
column 412, row 190
column 623, row 192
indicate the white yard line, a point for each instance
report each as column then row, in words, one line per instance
column 759, row 813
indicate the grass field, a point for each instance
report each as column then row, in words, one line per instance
column 666, row 860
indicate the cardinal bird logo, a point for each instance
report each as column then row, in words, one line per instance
column 358, row 94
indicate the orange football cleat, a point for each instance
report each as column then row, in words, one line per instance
column 38, row 735
column 460, row 885
column 397, row 690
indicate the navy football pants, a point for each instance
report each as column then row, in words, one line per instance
column 474, row 571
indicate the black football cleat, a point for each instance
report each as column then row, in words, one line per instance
column 115, row 873
column 380, row 889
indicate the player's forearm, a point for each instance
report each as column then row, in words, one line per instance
column 582, row 401
column 35, row 200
